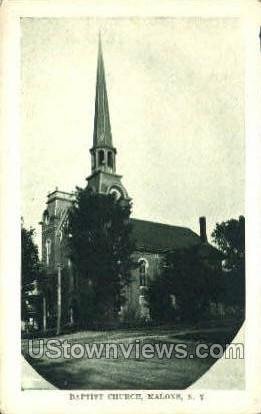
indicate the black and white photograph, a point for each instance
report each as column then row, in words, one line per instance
column 133, row 199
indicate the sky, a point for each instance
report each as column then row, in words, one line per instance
column 176, row 97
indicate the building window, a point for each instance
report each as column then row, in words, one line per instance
column 93, row 161
column 101, row 157
column 55, row 208
column 46, row 218
column 142, row 300
column 143, row 266
column 173, row 301
column 110, row 160
column 48, row 251
column 115, row 192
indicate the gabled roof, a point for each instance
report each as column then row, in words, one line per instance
column 153, row 236
column 158, row 237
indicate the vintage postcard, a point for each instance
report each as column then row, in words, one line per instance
column 130, row 207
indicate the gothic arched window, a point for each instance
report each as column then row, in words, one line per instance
column 101, row 157
column 60, row 235
column 46, row 218
column 143, row 265
column 48, row 251
column 93, row 161
column 110, row 159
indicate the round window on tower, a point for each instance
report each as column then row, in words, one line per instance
column 116, row 192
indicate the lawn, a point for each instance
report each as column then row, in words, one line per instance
column 135, row 372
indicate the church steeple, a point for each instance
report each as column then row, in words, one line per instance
column 102, row 126
column 103, row 178
column 103, row 152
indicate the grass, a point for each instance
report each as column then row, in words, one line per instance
column 132, row 373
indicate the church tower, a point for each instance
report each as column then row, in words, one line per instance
column 103, row 178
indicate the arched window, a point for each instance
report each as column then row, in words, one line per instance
column 93, row 161
column 48, row 251
column 110, row 159
column 115, row 192
column 101, row 157
column 173, row 300
column 143, row 266
column 55, row 208
column 46, row 218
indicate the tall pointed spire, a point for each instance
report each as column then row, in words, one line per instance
column 102, row 128
column 103, row 178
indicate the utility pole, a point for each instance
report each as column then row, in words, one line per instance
column 59, row 299
column 44, row 313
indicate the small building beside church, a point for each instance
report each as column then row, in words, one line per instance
column 152, row 239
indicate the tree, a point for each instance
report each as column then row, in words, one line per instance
column 159, row 299
column 30, row 258
column 193, row 280
column 100, row 247
column 31, row 267
column 229, row 236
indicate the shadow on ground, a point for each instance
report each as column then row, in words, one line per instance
column 133, row 373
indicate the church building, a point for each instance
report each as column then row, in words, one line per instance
column 152, row 239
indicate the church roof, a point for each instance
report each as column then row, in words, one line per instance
column 158, row 237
